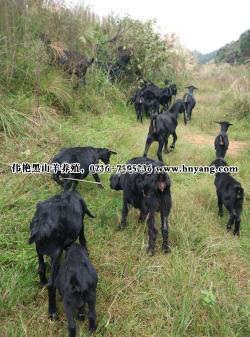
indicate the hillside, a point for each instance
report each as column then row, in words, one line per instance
column 236, row 51
column 202, row 287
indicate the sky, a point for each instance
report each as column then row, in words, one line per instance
column 204, row 25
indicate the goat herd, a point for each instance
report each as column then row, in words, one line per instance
column 58, row 221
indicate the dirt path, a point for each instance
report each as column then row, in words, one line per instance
column 234, row 146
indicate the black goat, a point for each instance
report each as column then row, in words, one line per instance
column 85, row 156
column 77, row 281
column 149, row 193
column 138, row 101
column 139, row 106
column 152, row 97
column 57, row 222
column 221, row 142
column 189, row 101
column 230, row 194
column 151, row 94
column 162, row 126
column 71, row 61
column 75, row 63
column 166, row 95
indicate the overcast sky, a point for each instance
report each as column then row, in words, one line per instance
column 204, row 25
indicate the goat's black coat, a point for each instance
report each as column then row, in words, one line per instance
column 162, row 126
column 221, row 142
column 166, row 95
column 149, row 193
column 151, row 97
column 57, row 223
column 85, row 156
column 77, row 281
column 138, row 101
column 230, row 194
column 189, row 101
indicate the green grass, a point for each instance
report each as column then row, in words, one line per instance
column 201, row 289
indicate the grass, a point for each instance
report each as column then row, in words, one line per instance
column 201, row 289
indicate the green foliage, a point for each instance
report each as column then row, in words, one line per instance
column 27, row 65
column 245, row 44
column 208, row 297
column 239, row 107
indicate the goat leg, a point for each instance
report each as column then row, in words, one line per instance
column 152, row 232
column 142, row 217
column 231, row 220
column 92, row 312
column 166, row 145
column 149, row 141
column 70, row 318
column 124, row 213
column 220, row 205
column 41, row 269
column 51, row 287
column 174, row 140
column 97, row 179
column 164, row 230
column 159, row 151
column 237, row 225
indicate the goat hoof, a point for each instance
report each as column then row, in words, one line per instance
column 166, row 250
column 171, row 147
column 150, row 251
column 81, row 317
column 220, row 214
column 92, row 328
column 53, row 316
column 121, row 226
column 236, row 233
column 229, row 228
column 43, row 283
